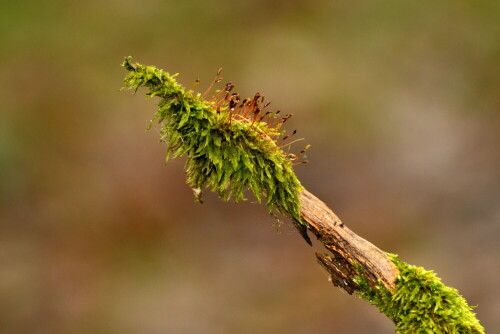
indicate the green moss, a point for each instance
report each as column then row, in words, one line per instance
column 226, row 152
column 421, row 303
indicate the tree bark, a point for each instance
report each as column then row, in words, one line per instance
column 347, row 248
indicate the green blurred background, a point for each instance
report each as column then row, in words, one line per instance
column 399, row 100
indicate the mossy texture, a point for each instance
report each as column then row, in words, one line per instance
column 421, row 303
column 225, row 152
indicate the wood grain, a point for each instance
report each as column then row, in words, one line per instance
column 346, row 248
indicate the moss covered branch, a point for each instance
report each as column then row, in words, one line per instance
column 414, row 298
column 234, row 144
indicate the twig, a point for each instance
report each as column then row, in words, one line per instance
column 231, row 157
column 348, row 249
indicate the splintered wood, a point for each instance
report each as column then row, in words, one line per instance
column 347, row 248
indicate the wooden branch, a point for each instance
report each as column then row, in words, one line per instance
column 417, row 302
column 347, row 248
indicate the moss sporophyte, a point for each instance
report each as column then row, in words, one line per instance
column 231, row 144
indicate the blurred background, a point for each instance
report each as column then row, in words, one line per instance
column 398, row 99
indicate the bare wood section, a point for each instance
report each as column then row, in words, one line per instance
column 346, row 247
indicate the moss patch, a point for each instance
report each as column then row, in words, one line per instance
column 421, row 303
column 227, row 150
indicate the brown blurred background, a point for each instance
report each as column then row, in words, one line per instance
column 399, row 100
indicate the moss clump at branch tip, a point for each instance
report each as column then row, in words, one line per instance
column 231, row 145
column 421, row 303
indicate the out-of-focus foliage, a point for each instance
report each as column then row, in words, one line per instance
column 398, row 99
